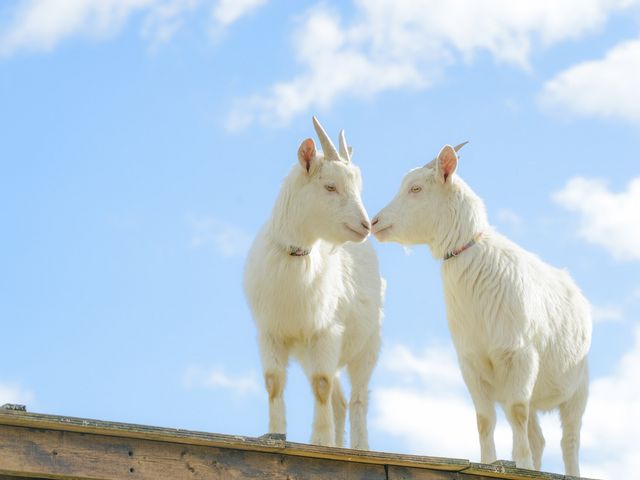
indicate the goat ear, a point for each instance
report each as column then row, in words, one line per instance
column 350, row 148
column 307, row 154
column 446, row 163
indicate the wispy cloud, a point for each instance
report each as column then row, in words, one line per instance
column 228, row 240
column 608, row 219
column 510, row 219
column 606, row 87
column 407, row 44
column 606, row 314
column 165, row 19
column 217, row 378
column 15, row 393
column 42, row 25
column 226, row 12
column 427, row 407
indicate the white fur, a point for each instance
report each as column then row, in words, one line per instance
column 521, row 328
column 324, row 309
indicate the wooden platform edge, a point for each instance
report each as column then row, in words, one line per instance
column 266, row 444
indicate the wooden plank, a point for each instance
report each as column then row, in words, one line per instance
column 72, row 424
column 511, row 473
column 71, row 455
column 35, row 445
column 410, row 473
column 11, row 477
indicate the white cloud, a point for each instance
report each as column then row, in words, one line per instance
column 407, row 43
column 604, row 314
column 510, row 219
column 166, row 19
column 438, row 365
column 428, row 408
column 226, row 12
column 14, row 393
column 41, row 25
column 608, row 219
column 607, row 87
column 217, row 378
column 611, row 439
column 228, row 240
column 429, row 399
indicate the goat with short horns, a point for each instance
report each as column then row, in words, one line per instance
column 314, row 288
column 521, row 328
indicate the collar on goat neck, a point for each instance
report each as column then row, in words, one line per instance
column 458, row 251
column 298, row 251
column 288, row 240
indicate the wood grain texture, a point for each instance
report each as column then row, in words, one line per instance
column 11, row 477
column 263, row 444
column 65, row 455
column 410, row 473
column 512, row 473
column 36, row 447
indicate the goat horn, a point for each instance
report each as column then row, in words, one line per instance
column 330, row 152
column 456, row 148
column 459, row 146
column 344, row 150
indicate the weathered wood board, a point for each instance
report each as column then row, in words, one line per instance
column 40, row 446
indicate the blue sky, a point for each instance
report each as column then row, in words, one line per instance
column 143, row 142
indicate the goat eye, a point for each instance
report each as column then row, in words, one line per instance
column 416, row 189
column 330, row 188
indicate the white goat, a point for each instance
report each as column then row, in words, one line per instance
column 521, row 328
column 315, row 291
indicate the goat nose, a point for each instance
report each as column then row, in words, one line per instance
column 366, row 225
column 374, row 221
